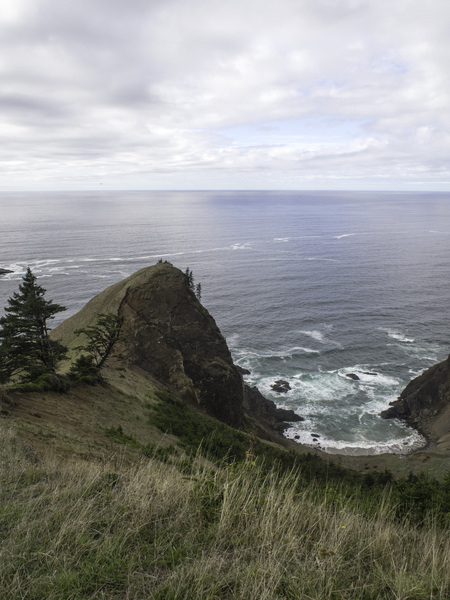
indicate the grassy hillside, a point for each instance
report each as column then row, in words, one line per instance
column 179, row 527
column 121, row 491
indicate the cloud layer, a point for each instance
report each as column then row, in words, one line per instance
column 169, row 94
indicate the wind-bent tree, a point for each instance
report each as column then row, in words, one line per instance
column 101, row 339
column 26, row 350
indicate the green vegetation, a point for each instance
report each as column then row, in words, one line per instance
column 197, row 289
column 99, row 530
column 29, row 357
column 149, row 449
column 101, row 340
column 26, row 350
column 417, row 497
column 193, row 429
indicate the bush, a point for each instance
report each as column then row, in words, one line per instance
column 49, row 382
column 85, row 370
column 194, row 430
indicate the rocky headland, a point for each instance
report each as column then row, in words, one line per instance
column 170, row 336
column 425, row 405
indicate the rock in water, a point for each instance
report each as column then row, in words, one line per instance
column 171, row 336
column 353, row 376
column 281, row 386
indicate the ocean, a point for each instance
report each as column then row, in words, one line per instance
column 307, row 287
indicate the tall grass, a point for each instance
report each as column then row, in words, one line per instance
column 190, row 531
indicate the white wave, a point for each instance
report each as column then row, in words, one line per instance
column 238, row 246
column 232, row 340
column 315, row 334
column 316, row 391
column 368, row 377
column 278, row 240
column 46, row 262
column 59, row 271
column 302, row 349
column 282, row 353
column 397, row 335
column 18, row 271
column 361, row 446
column 322, row 259
column 344, row 235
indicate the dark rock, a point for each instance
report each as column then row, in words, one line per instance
column 267, row 411
column 4, row 271
column 315, row 435
column 281, row 386
column 423, row 399
column 352, row 376
column 174, row 338
column 369, row 373
column 242, row 371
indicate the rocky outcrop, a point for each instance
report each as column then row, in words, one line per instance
column 281, row 386
column 353, row 376
column 425, row 402
column 5, row 271
column 267, row 411
column 170, row 336
column 173, row 337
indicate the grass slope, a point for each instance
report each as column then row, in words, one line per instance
column 184, row 529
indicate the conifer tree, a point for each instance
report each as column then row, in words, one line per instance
column 189, row 278
column 26, row 350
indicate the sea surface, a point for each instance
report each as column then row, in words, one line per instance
column 307, row 287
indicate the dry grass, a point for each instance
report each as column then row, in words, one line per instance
column 83, row 529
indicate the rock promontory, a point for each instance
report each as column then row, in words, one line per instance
column 425, row 402
column 169, row 335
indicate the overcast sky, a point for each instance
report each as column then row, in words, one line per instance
column 225, row 94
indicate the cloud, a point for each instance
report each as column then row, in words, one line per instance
column 173, row 94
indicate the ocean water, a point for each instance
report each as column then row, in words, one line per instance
column 307, row 287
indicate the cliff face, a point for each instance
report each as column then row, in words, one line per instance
column 425, row 402
column 171, row 336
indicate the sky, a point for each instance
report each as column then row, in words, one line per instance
column 235, row 94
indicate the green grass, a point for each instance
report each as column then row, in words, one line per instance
column 96, row 530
